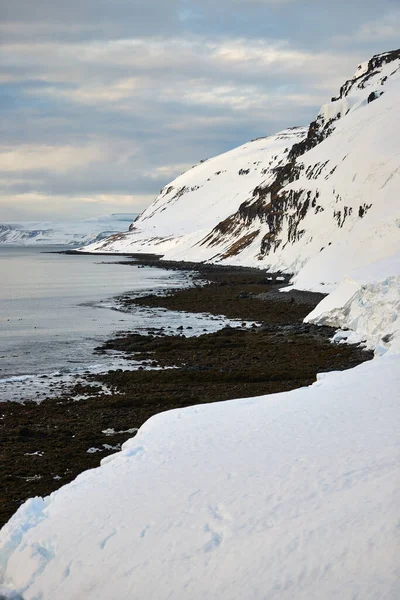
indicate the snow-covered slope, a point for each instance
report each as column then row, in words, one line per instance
column 187, row 210
column 366, row 306
column 292, row 201
column 70, row 233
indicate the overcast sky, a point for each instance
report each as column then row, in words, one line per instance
column 104, row 102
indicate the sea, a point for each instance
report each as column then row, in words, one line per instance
column 55, row 309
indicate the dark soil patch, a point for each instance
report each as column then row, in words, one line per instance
column 281, row 354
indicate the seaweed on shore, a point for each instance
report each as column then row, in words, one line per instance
column 43, row 446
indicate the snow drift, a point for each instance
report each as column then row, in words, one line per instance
column 368, row 313
column 292, row 495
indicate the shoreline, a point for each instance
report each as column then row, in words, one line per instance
column 145, row 256
column 46, row 445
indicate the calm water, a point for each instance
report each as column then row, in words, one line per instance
column 54, row 309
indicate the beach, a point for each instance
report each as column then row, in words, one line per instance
column 47, row 444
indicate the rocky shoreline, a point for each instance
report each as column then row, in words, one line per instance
column 46, row 445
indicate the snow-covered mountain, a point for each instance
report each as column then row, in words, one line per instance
column 317, row 201
column 75, row 233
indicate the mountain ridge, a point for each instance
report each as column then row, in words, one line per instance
column 282, row 201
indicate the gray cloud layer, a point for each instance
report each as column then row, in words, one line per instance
column 103, row 103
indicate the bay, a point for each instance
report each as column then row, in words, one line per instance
column 55, row 308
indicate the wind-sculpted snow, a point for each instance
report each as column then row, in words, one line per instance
column 292, row 201
column 367, row 306
column 293, row 495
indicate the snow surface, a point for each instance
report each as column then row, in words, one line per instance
column 293, row 495
column 71, row 233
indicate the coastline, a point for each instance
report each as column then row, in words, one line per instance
column 144, row 256
column 46, row 445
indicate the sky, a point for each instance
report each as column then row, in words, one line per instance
column 103, row 103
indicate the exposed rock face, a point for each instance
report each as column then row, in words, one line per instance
column 370, row 70
column 292, row 198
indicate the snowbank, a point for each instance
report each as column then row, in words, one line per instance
column 292, row 495
column 368, row 305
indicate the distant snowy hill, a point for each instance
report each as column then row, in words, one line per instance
column 75, row 233
column 316, row 201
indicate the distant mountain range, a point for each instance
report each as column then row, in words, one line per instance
column 316, row 201
column 75, row 233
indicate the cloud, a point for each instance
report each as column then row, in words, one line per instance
column 154, row 56
column 34, row 205
column 87, row 18
column 57, row 159
column 266, row 2
column 126, row 72
column 384, row 29
column 113, row 100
